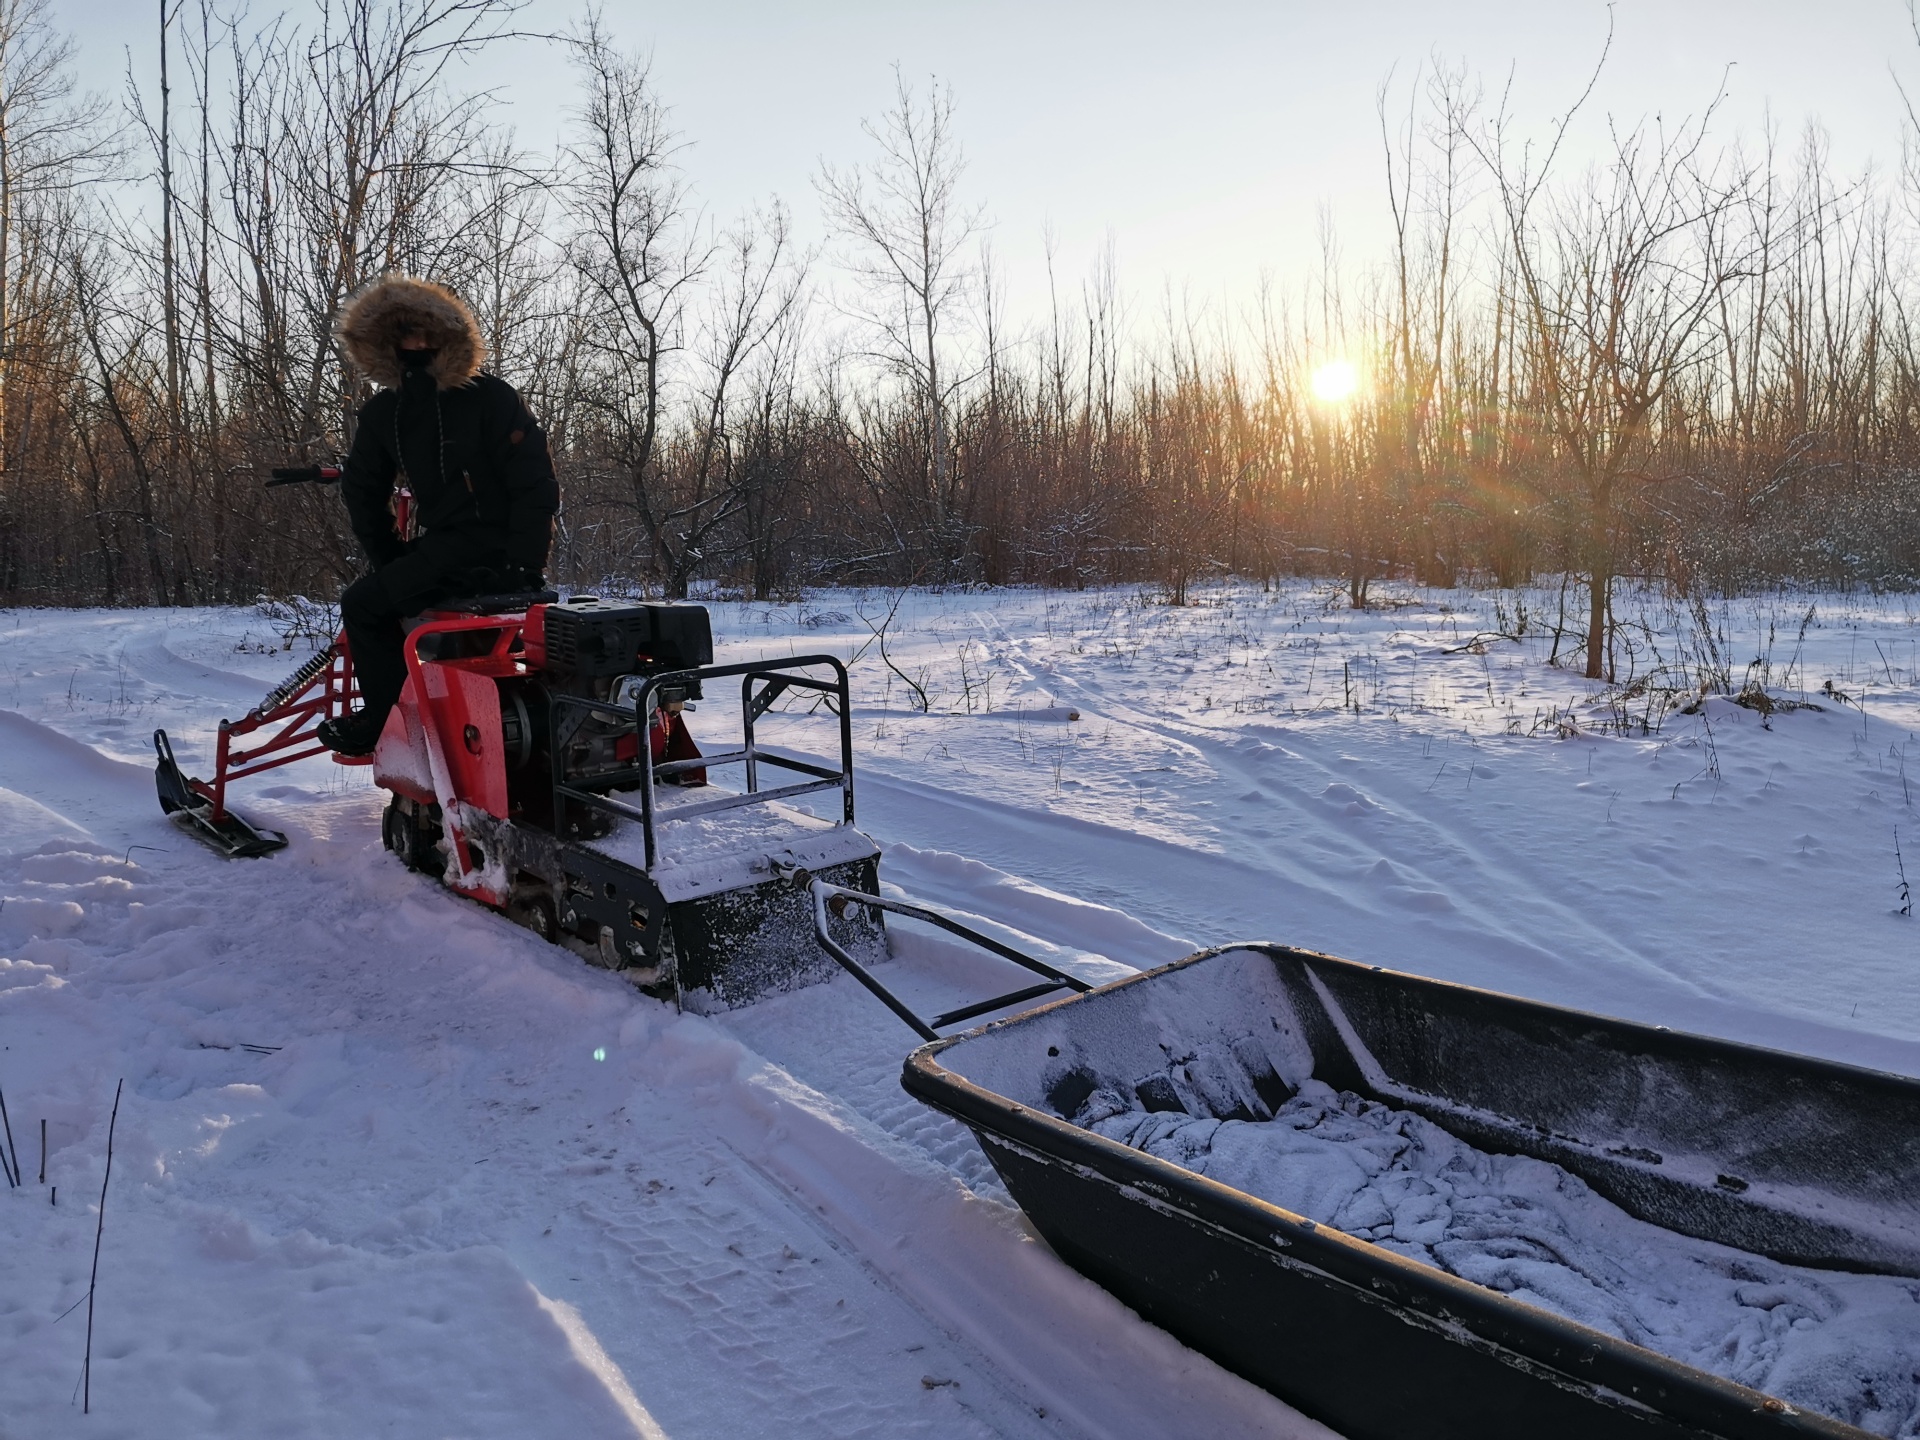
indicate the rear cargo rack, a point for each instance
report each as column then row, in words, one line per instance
column 779, row 677
column 761, row 684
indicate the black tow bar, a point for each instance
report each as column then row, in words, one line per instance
column 835, row 899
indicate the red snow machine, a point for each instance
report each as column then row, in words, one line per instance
column 515, row 764
column 538, row 764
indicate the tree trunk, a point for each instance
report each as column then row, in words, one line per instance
column 1600, row 581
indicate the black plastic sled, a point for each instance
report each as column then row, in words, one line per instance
column 1799, row 1160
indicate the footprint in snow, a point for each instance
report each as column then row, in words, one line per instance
column 1400, row 890
column 1350, row 800
column 28, row 917
column 27, row 974
column 58, row 864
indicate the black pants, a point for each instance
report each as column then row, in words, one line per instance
column 437, row 569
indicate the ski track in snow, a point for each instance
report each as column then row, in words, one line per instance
column 431, row 1208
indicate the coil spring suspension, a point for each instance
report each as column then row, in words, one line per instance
column 295, row 682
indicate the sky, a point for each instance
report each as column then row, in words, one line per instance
column 1204, row 142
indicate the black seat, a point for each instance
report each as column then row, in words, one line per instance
column 466, row 644
column 494, row 604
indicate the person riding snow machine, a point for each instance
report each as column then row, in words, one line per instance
column 475, row 461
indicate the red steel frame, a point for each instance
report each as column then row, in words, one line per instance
column 328, row 695
column 302, row 710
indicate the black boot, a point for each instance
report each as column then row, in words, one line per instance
column 355, row 734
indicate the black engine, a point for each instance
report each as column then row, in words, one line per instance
column 585, row 648
column 587, row 640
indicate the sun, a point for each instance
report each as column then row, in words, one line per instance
column 1335, row 381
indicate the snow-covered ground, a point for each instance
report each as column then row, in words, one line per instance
column 387, row 1165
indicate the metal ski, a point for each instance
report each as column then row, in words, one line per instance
column 222, row 829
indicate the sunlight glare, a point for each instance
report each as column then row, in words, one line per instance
column 1335, row 381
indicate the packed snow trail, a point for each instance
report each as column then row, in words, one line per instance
column 422, row 1201
column 1716, row 875
column 425, row 1161
column 387, row 1162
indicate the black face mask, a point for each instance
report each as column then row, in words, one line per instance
column 416, row 360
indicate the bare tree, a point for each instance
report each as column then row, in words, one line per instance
column 1658, row 367
column 351, row 158
column 638, row 248
column 1615, row 280
column 746, row 320
column 1426, row 182
column 125, row 388
column 908, row 236
column 752, row 342
column 50, row 142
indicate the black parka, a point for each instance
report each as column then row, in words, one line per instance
column 465, row 443
column 474, row 458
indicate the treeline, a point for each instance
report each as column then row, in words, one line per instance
column 1687, row 360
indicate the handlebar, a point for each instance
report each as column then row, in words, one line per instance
column 304, row 475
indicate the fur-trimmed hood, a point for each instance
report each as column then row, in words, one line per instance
column 373, row 321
